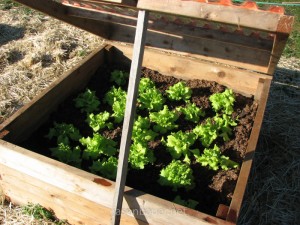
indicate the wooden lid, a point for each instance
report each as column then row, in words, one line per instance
column 243, row 36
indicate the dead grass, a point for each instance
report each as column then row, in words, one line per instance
column 35, row 50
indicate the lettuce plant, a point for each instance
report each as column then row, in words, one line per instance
column 119, row 77
column 190, row 203
column 116, row 97
column 177, row 175
column 214, row 160
column 140, row 155
column 191, row 112
column 87, row 101
column 179, row 91
column 223, row 101
column 98, row 145
column 224, row 125
column 64, row 133
column 65, row 153
column 164, row 119
column 98, row 121
column 106, row 167
column 141, row 131
column 206, row 132
column 149, row 96
column 178, row 144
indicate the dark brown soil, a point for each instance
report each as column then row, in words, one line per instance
column 212, row 187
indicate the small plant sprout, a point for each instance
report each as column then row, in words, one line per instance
column 224, row 125
column 65, row 153
column 64, row 133
column 164, row 119
column 106, row 167
column 177, row 175
column 191, row 112
column 206, row 132
column 117, row 99
column 87, row 101
column 141, row 130
column 98, row 145
column 99, row 121
column 119, row 77
column 179, row 91
column 178, row 144
column 140, row 155
column 223, row 101
column 149, row 97
column 214, row 160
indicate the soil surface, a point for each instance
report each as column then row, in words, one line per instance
column 212, row 187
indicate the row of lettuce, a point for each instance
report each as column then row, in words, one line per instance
column 160, row 122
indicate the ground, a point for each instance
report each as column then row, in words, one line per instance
column 35, row 50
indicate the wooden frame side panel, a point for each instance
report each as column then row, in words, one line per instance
column 81, row 197
column 238, row 16
column 21, row 124
column 236, row 202
column 242, row 81
column 121, row 28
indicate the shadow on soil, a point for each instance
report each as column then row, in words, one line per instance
column 9, row 33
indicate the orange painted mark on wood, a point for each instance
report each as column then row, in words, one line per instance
column 276, row 9
column 102, row 182
column 249, row 5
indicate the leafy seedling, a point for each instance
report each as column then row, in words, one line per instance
column 179, row 91
column 119, row 77
column 87, row 101
column 106, row 167
column 177, row 175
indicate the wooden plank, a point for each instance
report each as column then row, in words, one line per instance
column 235, row 205
column 65, row 186
column 214, row 45
column 204, row 48
column 242, row 81
column 117, row 2
column 240, row 17
column 27, row 119
column 22, row 189
column 278, row 47
column 130, row 110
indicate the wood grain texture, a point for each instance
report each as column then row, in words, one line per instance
column 236, row 202
column 242, row 81
column 74, row 195
column 240, row 17
column 243, row 52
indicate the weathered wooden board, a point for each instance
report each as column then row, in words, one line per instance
column 242, row 81
column 81, row 197
column 240, row 17
column 84, row 198
column 244, row 51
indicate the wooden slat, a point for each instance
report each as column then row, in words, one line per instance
column 33, row 114
column 222, row 51
column 70, row 191
column 118, row 2
column 240, row 17
column 130, row 111
column 235, row 205
column 242, row 81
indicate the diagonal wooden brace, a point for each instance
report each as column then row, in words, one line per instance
column 134, row 80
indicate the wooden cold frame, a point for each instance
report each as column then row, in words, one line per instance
column 84, row 198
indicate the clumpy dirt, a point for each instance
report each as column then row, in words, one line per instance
column 212, row 187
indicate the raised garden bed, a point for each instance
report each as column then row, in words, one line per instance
column 82, row 197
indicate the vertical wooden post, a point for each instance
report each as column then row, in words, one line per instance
column 134, row 80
